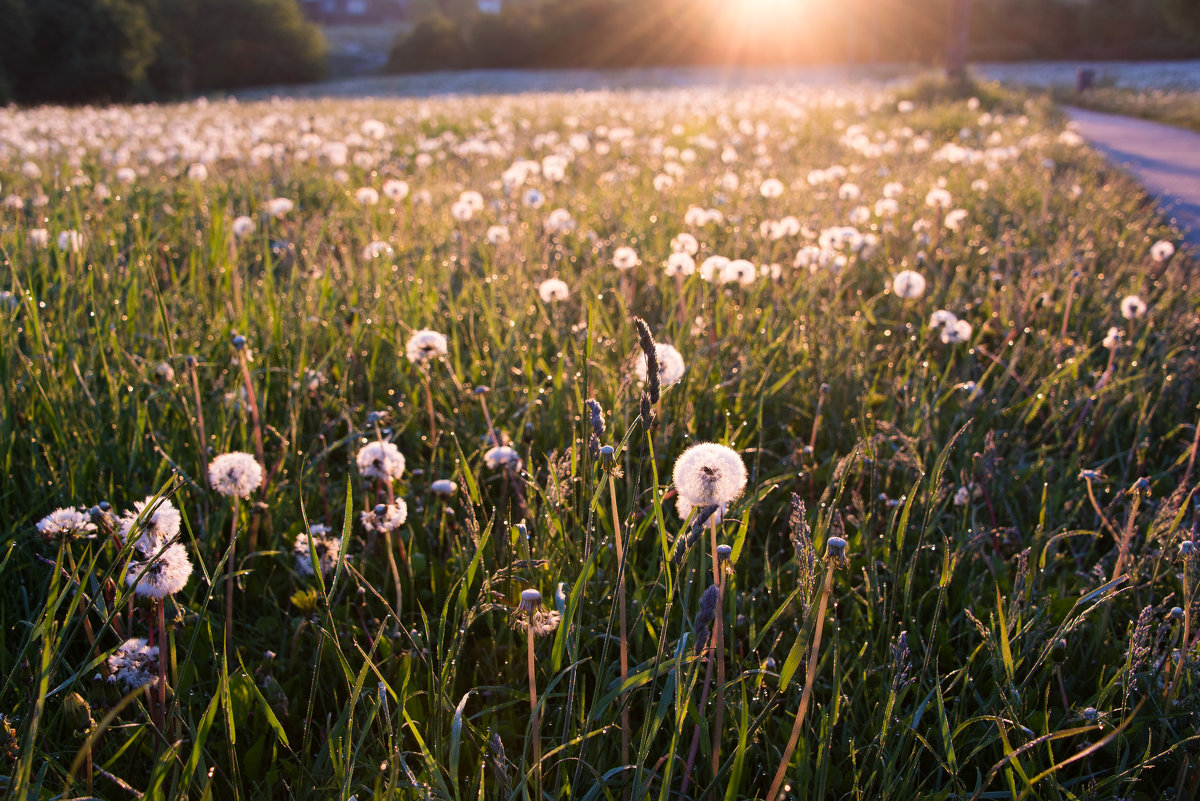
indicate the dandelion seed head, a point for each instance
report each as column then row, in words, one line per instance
column 502, row 457
column 443, row 487
column 1162, row 250
column 381, row 460
column 553, row 290
column 235, row 474
column 385, row 517
column 671, row 366
column 134, row 664
column 909, row 284
column 625, row 258
column 327, row 548
column 1132, row 307
column 161, row 522
column 66, row 523
column 707, row 474
column 425, row 345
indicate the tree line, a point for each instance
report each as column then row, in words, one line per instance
column 628, row 33
column 77, row 51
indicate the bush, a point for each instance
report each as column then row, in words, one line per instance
column 434, row 43
column 74, row 51
column 222, row 44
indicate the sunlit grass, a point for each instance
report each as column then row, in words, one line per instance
column 1020, row 643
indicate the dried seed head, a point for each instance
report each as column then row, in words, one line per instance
column 646, row 340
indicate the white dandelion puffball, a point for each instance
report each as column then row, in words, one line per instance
column 376, row 249
column 65, row 523
column 938, row 198
column 443, row 487
column 954, row 219
column 425, row 345
column 498, row 235
column 235, row 474
column 134, row 664
column 395, row 190
column 165, row 571
column 686, row 243
column 739, row 271
column 1112, row 340
column 680, row 263
column 670, row 365
column 1132, row 307
column 197, row 172
column 502, row 456
column 941, row 318
column 385, row 517
column 39, row 237
column 771, row 188
column 553, row 290
column 243, row 226
column 366, row 196
column 625, row 258
column 909, row 284
column 327, row 548
column 1162, row 250
column 461, row 211
column 711, row 268
column 708, row 474
column 279, row 206
column 159, row 520
column 980, row 185
column 70, row 241
column 959, row 331
column 380, row 460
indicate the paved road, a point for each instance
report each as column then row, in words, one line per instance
column 1165, row 159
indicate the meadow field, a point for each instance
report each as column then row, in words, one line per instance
column 803, row 443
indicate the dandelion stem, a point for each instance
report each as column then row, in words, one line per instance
column 203, row 444
column 813, row 655
column 162, row 669
column 252, row 403
column 1187, row 474
column 534, row 722
column 1096, row 505
column 1123, row 553
column 719, row 656
column 229, row 571
column 429, row 410
column 616, row 521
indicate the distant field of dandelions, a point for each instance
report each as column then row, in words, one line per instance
column 692, row 443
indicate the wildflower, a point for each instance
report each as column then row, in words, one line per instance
column 498, row 235
column 625, row 258
column 197, row 172
column 235, row 474
column 366, row 196
column 670, row 365
column 161, row 522
column 771, row 188
column 425, row 345
column 1112, row 340
column 938, row 198
column 1091, row 475
column 553, row 289
column 909, row 284
column 376, row 249
column 712, row 267
column 243, row 226
column 443, row 487
column 66, row 523
column 1162, row 250
column 965, row 493
column 385, row 516
column 955, row 219
column 709, row 474
column 959, row 332
column 165, row 571
column 533, row 199
column 70, row 241
column 502, row 457
column 1132, row 307
column 39, row 237
column 326, row 547
column 685, row 243
column 532, row 616
column 941, row 318
column 738, row 270
column 395, row 190
column 134, row 664
column 381, row 460
column 680, row 263
column 279, row 206
column 559, row 221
